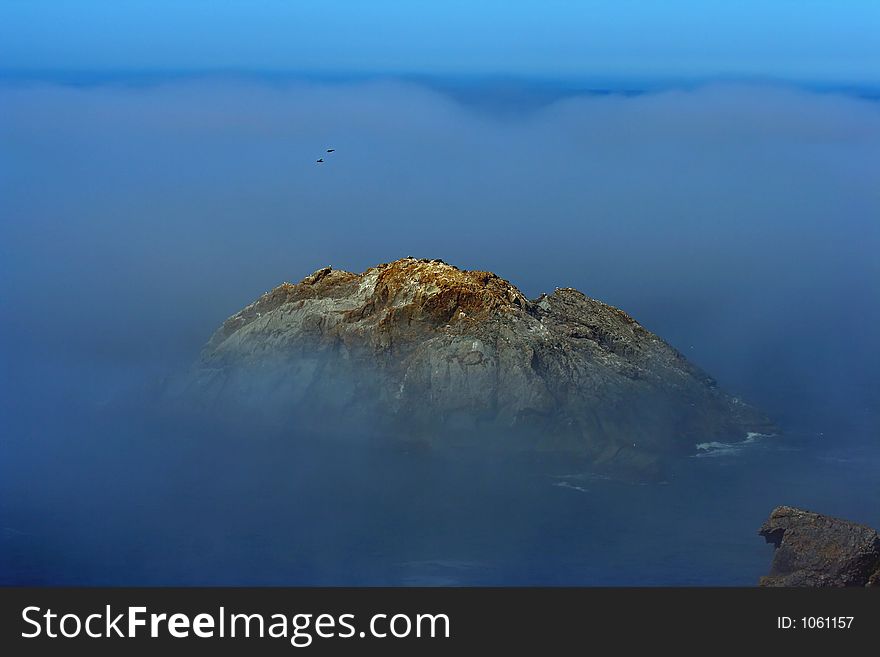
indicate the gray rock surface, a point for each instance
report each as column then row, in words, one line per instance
column 817, row 550
column 443, row 355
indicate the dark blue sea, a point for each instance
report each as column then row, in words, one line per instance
column 125, row 499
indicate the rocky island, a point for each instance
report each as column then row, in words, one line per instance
column 442, row 356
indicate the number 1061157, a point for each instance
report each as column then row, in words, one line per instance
column 815, row 622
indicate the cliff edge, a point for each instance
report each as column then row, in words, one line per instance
column 817, row 550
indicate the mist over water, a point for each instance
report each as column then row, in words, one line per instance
column 738, row 222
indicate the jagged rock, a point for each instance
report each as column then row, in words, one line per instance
column 817, row 550
column 444, row 355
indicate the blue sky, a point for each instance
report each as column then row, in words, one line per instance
column 831, row 40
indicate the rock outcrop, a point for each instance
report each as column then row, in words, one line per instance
column 443, row 355
column 817, row 550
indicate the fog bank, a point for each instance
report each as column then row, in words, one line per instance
column 740, row 223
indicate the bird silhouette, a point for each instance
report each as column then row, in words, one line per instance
column 320, row 160
column 330, row 150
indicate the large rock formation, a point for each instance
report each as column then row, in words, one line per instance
column 442, row 355
column 817, row 550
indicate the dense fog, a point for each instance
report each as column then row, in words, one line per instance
column 739, row 222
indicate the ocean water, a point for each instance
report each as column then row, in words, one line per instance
column 130, row 500
column 736, row 221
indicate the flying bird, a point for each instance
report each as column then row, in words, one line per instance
column 330, row 150
column 320, row 160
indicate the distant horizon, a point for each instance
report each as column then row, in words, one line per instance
column 343, row 74
column 509, row 87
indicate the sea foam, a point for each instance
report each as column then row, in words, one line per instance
column 716, row 448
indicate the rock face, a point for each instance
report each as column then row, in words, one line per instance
column 443, row 355
column 817, row 550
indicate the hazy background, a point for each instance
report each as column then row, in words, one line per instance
column 714, row 170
